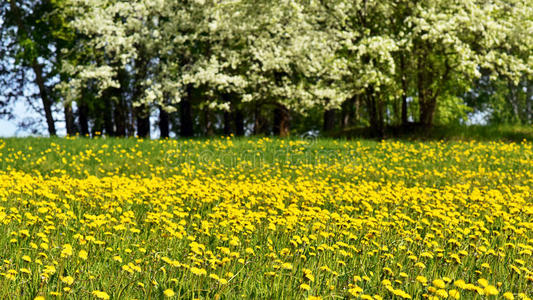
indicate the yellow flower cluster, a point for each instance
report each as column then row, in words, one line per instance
column 374, row 221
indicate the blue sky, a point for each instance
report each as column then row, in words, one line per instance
column 9, row 127
column 21, row 110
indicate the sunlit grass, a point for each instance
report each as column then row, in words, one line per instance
column 265, row 219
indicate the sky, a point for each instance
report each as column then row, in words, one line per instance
column 9, row 128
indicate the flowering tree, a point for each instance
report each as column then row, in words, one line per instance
column 294, row 56
column 449, row 41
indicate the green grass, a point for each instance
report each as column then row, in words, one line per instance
column 80, row 157
column 506, row 133
column 353, row 213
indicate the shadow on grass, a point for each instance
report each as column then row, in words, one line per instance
column 413, row 132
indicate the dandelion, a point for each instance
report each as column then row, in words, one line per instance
column 508, row 296
column 11, row 274
column 421, row 279
column 82, row 254
column 286, row 266
column 198, row 271
column 355, row 291
column 67, row 250
column 169, row 293
column 491, row 290
column 100, row 295
column 67, row 280
column 442, row 293
column 454, row 294
column 439, row 283
column 483, row 282
column 460, row 284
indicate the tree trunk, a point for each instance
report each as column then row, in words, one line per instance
column 130, row 120
column 186, row 123
column 38, row 70
column 348, row 112
column 142, row 112
column 47, row 103
column 427, row 111
column 357, row 111
column 405, row 119
column 427, row 100
column 238, row 117
column 404, row 92
column 529, row 101
column 227, row 123
column 259, row 120
column 208, row 122
column 108, row 115
column 120, row 116
column 83, row 118
column 164, row 125
column 69, row 120
column 329, row 120
column 227, row 117
column 427, row 103
column 281, row 120
column 143, row 121
column 513, row 99
column 375, row 114
column 121, row 109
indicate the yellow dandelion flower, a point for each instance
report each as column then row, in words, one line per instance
column 286, row 266
column 82, row 254
column 421, row 279
column 483, row 282
column 442, row 293
column 439, row 283
column 169, row 293
column 460, row 284
column 454, row 294
column 198, row 271
column 508, row 296
column 100, row 295
column 67, row 280
column 67, row 250
column 491, row 290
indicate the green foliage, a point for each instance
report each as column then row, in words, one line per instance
column 452, row 110
column 305, row 57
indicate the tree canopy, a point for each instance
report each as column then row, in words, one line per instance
column 243, row 66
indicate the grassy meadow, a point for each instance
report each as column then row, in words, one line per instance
column 263, row 218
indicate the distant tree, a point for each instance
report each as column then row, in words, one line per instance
column 260, row 66
column 29, row 35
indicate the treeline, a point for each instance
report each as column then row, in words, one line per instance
column 208, row 67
